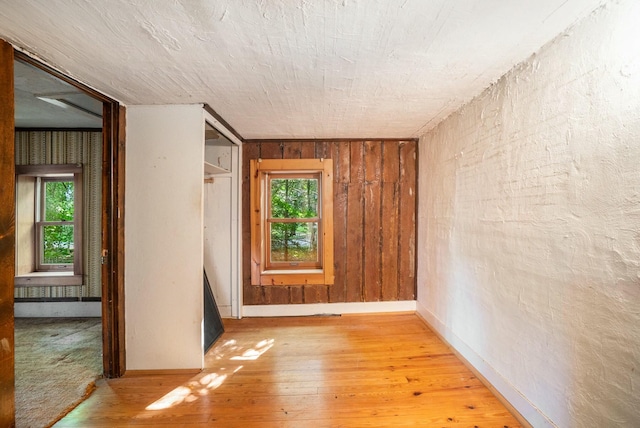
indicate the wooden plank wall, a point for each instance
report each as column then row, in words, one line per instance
column 374, row 221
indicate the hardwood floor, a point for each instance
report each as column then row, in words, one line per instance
column 349, row 371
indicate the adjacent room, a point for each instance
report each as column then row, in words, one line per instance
column 57, row 300
column 409, row 213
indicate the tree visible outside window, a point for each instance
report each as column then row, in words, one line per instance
column 292, row 225
column 49, row 218
column 294, row 220
column 56, row 243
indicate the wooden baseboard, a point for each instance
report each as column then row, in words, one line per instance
column 479, row 375
column 160, row 372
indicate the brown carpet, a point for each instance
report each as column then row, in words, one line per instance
column 57, row 361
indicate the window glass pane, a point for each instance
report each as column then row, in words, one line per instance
column 57, row 244
column 294, row 197
column 294, row 242
column 58, row 201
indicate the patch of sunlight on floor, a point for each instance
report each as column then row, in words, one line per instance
column 256, row 352
column 176, row 396
column 208, row 381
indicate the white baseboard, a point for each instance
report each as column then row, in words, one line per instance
column 225, row 311
column 499, row 384
column 57, row 309
column 327, row 309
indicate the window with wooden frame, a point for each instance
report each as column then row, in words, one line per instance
column 291, row 221
column 49, row 208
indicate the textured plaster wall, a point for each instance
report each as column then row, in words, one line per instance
column 529, row 226
column 292, row 69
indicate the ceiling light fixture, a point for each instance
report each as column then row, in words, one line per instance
column 53, row 101
column 61, row 102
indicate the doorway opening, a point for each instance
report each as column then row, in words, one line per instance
column 69, row 142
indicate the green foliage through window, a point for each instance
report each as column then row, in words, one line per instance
column 294, row 198
column 58, row 207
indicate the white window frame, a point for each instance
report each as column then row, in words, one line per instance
column 41, row 223
column 42, row 174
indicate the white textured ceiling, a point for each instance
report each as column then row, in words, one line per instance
column 292, row 68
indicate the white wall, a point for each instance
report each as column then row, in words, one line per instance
column 163, row 237
column 529, row 227
column 217, row 241
column 57, row 309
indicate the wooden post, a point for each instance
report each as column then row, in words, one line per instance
column 113, row 173
column 7, row 236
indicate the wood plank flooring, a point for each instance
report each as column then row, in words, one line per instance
column 349, row 371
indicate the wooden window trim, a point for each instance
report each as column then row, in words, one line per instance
column 261, row 274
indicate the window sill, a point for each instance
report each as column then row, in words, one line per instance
column 43, row 279
column 295, row 277
column 292, row 271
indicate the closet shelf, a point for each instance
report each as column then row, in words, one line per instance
column 211, row 169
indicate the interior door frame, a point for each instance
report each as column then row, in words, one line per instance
column 214, row 120
column 7, row 235
column 113, row 175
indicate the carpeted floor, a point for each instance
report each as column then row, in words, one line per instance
column 57, row 361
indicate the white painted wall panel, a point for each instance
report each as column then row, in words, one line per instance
column 529, row 227
column 163, row 274
column 217, row 241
